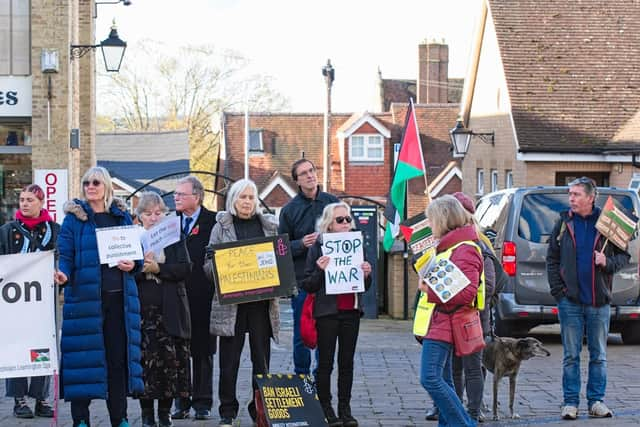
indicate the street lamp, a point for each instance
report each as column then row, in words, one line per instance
column 329, row 76
column 95, row 7
column 112, row 50
column 461, row 137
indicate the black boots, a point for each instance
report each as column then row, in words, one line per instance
column 330, row 415
column 344, row 411
column 21, row 409
column 148, row 419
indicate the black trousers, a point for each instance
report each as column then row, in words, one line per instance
column 342, row 328
column 202, row 377
column 254, row 319
column 115, row 342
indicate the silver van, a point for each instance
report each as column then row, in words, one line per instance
column 519, row 222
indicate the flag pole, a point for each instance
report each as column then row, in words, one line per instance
column 405, row 259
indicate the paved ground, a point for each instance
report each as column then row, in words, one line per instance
column 386, row 390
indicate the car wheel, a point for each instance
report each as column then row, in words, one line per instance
column 631, row 333
column 509, row 328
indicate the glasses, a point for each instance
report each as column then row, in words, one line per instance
column 342, row 219
column 94, row 182
column 179, row 195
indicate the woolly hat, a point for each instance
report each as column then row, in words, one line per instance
column 466, row 202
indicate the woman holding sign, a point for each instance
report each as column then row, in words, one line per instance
column 261, row 319
column 100, row 342
column 337, row 318
column 33, row 230
column 456, row 253
column 166, row 321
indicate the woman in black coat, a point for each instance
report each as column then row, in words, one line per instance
column 166, row 322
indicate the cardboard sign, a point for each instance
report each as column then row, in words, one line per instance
column 161, row 235
column 343, row 275
column 119, row 243
column 27, row 315
column 253, row 269
column 288, row 401
column 446, row 279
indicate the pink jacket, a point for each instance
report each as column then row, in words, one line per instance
column 467, row 259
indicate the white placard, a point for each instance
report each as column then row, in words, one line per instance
column 54, row 183
column 446, row 279
column 119, row 243
column 161, row 235
column 343, row 275
column 15, row 96
column 27, row 315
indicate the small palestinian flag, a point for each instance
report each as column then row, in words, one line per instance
column 615, row 225
column 40, row 355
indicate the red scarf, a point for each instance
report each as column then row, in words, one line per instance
column 31, row 223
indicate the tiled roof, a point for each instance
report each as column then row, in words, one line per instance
column 572, row 70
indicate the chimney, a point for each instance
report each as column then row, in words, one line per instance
column 433, row 73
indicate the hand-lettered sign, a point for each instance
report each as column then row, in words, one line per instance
column 253, row 269
column 344, row 273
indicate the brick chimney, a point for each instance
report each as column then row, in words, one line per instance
column 433, row 73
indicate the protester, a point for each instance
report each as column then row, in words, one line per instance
column 298, row 220
column 166, row 321
column 451, row 225
column 580, row 268
column 260, row 319
column 337, row 319
column 101, row 317
column 32, row 231
column 197, row 222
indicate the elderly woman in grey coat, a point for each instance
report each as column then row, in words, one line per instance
column 261, row 319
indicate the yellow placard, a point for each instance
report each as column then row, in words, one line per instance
column 247, row 267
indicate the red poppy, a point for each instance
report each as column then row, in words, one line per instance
column 195, row 230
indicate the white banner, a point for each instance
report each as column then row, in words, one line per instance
column 343, row 275
column 15, row 96
column 54, row 183
column 119, row 243
column 27, row 315
column 161, row 235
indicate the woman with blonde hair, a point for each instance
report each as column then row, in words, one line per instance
column 100, row 342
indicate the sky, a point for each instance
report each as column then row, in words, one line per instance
column 291, row 40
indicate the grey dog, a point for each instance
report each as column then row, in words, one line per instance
column 502, row 357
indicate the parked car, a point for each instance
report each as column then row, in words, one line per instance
column 519, row 222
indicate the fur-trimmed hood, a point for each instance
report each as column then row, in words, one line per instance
column 81, row 208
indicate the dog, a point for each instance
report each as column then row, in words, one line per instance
column 502, row 357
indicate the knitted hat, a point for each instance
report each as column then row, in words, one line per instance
column 466, row 202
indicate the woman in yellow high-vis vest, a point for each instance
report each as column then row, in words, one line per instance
column 451, row 224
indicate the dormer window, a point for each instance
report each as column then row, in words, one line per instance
column 366, row 148
column 255, row 141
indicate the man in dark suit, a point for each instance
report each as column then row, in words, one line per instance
column 197, row 222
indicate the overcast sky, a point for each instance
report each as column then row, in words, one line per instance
column 291, row 40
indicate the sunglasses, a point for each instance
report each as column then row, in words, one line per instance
column 95, row 183
column 341, row 219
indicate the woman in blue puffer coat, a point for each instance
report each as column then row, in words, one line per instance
column 101, row 336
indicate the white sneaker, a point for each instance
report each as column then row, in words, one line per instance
column 600, row 410
column 569, row 412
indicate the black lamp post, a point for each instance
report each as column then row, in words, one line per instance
column 461, row 137
column 112, row 47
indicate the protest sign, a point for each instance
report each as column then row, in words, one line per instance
column 161, row 235
column 615, row 225
column 343, row 275
column 119, row 243
column 288, row 400
column 27, row 315
column 446, row 279
column 253, row 269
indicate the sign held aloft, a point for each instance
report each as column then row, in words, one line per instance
column 344, row 273
column 615, row 225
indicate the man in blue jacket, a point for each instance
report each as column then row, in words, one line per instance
column 580, row 268
column 298, row 220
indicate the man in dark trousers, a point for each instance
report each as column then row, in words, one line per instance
column 580, row 268
column 197, row 222
column 298, row 220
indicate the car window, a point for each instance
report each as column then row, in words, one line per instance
column 540, row 212
column 489, row 209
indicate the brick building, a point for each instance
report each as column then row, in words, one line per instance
column 40, row 104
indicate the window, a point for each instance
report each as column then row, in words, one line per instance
column 366, row 148
column 480, row 182
column 15, row 37
column 255, row 140
column 508, row 179
column 494, row 180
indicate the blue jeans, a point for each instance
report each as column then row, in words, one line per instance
column 436, row 378
column 575, row 320
column 301, row 354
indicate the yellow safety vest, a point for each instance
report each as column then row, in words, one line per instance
column 424, row 308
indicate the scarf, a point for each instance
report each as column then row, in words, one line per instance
column 31, row 223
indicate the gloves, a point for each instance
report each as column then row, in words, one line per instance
column 208, row 252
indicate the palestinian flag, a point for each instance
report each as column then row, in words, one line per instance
column 410, row 165
column 615, row 225
column 40, row 355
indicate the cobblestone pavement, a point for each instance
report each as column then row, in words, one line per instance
column 387, row 392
